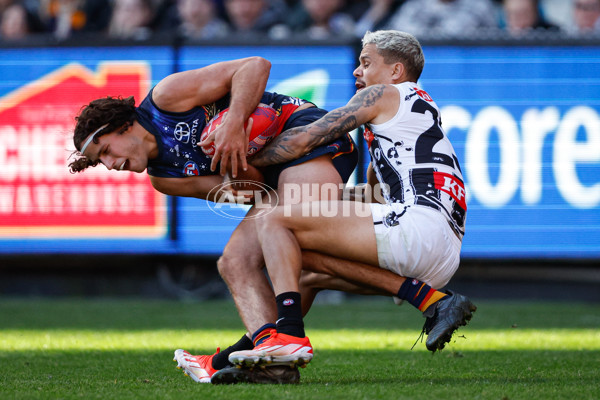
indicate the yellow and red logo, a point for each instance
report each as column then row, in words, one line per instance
column 38, row 195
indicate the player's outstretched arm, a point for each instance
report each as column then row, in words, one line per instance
column 191, row 186
column 203, row 187
column 295, row 142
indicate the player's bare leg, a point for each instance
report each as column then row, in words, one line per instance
column 351, row 276
column 311, row 283
column 241, row 264
column 323, row 272
column 242, row 267
column 347, row 233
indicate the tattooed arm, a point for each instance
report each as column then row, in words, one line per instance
column 369, row 105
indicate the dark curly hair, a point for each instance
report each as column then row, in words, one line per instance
column 117, row 112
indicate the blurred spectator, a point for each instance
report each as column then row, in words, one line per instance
column 373, row 14
column 4, row 4
column 586, row 15
column 450, row 18
column 199, row 20
column 166, row 15
column 131, row 19
column 522, row 17
column 14, row 22
column 254, row 16
column 321, row 19
column 68, row 17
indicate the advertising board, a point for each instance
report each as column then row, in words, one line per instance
column 524, row 121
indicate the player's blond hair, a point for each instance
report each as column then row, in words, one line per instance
column 396, row 46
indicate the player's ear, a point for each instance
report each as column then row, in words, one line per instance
column 397, row 71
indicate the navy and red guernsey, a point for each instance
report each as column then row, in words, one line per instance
column 178, row 133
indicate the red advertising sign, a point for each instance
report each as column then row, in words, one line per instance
column 39, row 197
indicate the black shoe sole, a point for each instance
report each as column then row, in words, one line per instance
column 262, row 375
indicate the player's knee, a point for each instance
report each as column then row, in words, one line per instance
column 269, row 221
column 230, row 266
column 237, row 261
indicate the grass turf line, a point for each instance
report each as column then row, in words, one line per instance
column 97, row 349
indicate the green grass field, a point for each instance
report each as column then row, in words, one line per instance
column 122, row 349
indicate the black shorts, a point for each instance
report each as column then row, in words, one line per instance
column 343, row 150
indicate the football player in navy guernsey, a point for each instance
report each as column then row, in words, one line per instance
column 117, row 134
column 417, row 232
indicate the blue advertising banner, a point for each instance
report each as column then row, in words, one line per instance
column 525, row 124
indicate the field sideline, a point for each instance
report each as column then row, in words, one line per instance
column 122, row 349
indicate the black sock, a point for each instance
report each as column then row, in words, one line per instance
column 289, row 311
column 220, row 360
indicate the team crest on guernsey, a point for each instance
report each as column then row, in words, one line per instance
column 191, row 169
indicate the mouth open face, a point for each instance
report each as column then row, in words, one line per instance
column 359, row 85
column 123, row 166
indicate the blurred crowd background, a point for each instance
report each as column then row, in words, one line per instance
column 284, row 19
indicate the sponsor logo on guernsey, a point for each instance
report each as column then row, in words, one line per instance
column 452, row 185
column 182, row 132
column 423, row 94
column 191, row 169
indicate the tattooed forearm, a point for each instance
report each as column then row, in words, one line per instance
column 280, row 150
column 284, row 147
column 331, row 127
column 296, row 142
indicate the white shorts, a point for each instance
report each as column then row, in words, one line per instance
column 416, row 242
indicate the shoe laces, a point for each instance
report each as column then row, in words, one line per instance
column 427, row 326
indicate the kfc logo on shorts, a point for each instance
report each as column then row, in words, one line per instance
column 182, row 132
column 191, row 169
column 414, row 282
column 288, row 302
